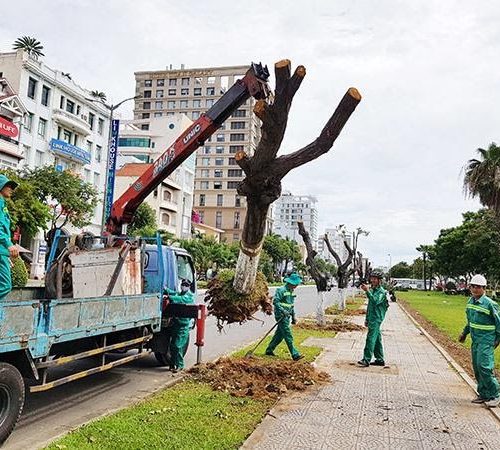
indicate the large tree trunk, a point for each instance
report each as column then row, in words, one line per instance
column 264, row 170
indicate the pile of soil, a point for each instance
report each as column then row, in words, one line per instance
column 258, row 377
column 230, row 307
column 334, row 324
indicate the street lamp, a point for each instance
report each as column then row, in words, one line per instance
column 111, row 109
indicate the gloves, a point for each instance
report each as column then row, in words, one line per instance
column 294, row 321
column 462, row 338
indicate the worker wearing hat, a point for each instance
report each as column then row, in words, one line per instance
column 375, row 314
column 7, row 248
column 284, row 300
column 483, row 324
column 179, row 326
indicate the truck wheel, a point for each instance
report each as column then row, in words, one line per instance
column 11, row 399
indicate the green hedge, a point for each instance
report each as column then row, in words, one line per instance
column 19, row 273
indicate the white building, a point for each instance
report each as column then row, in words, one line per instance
column 336, row 239
column 62, row 128
column 173, row 199
column 289, row 209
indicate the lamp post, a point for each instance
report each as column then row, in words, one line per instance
column 109, row 186
column 390, row 265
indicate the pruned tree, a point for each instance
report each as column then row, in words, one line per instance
column 319, row 278
column 264, row 170
column 344, row 269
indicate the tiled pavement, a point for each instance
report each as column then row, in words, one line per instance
column 418, row 402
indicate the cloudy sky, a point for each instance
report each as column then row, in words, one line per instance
column 428, row 73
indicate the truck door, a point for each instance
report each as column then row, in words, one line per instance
column 185, row 270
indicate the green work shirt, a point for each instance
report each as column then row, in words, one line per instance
column 377, row 305
column 5, row 240
column 483, row 320
column 186, row 298
column 284, row 300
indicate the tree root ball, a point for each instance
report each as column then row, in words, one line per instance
column 228, row 306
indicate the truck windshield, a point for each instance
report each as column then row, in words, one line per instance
column 185, row 268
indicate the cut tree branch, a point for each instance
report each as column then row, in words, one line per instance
column 319, row 278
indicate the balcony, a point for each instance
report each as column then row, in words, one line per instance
column 72, row 122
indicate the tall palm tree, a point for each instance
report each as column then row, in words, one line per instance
column 30, row 45
column 99, row 95
column 482, row 177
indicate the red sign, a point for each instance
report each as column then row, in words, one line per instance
column 8, row 128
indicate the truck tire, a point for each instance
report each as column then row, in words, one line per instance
column 164, row 358
column 11, row 399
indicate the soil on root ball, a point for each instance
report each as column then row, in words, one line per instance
column 337, row 325
column 258, row 377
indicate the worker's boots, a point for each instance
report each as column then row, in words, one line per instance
column 378, row 362
column 363, row 363
column 478, row 400
column 493, row 403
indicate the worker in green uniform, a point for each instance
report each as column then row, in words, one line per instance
column 483, row 324
column 179, row 326
column 7, row 248
column 284, row 312
column 375, row 314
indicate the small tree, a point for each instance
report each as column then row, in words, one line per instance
column 144, row 223
column 30, row 45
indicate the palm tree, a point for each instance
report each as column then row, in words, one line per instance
column 482, row 177
column 30, row 45
column 99, row 95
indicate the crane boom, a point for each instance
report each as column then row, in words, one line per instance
column 253, row 84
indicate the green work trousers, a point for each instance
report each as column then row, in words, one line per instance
column 483, row 363
column 283, row 331
column 178, row 343
column 373, row 345
column 5, row 276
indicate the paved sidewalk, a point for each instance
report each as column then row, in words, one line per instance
column 418, row 402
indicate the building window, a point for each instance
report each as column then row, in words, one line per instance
column 236, row 220
column 28, row 122
column 70, row 106
column 39, row 158
column 240, row 113
column 220, row 199
column 158, row 105
column 170, row 113
column 237, row 201
column 236, row 236
column 91, row 120
column 205, row 173
column 32, row 87
column 217, row 185
column 158, row 114
column 236, row 148
column 232, row 162
column 184, row 91
column 160, row 82
column 167, row 196
column 220, row 137
column 147, row 94
column 165, row 219
column 211, row 80
column 206, row 150
column 197, row 92
column 202, row 200
column 197, row 103
column 100, row 126
column 218, row 219
column 210, row 91
column 232, row 173
column 218, row 173
column 172, row 82
column 148, row 83
column 183, row 104
column 205, row 161
column 219, row 161
column 145, row 126
column 232, row 184
column 97, row 179
column 185, row 82
column 172, row 92
column 236, row 137
column 45, row 95
column 134, row 142
column 61, row 102
column 89, row 148
column 171, row 104
column 146, row 115
column 98, row 153
column 203, row 184
column 42, row 127
column 195, row 114
column 237, row 125
column 159, row 93
column 146, row 105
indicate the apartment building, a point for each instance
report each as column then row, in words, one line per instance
column 173, row 199
column 336, row 239
column 61, row 127
column 192, row 92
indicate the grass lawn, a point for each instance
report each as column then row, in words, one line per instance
column 351, row 304
column 446, row 312
column 189, row 415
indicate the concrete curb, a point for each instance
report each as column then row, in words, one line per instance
column 459, row 369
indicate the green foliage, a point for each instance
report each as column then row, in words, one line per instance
column 19, row 273
column 26, row 210
column 282, row 252
column 401, row 270
column 144, row 223
column 30, row 45
column 72, row 200
column 325, row 266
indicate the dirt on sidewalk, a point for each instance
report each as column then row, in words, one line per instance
column 332, row 324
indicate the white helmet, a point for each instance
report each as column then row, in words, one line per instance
column 479, row 280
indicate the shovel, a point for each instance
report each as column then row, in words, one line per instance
column 249, row 354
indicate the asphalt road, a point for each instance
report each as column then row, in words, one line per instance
column 49, row 414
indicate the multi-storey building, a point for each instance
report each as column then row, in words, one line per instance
column 289, row 209
column 336, row 238
column 192, row 92
column 62, row 128
column 173, row 199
